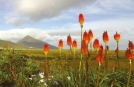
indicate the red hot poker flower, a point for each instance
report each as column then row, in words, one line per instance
column 117, row 36
column 130, row 45
column 81, row 20
column 84, row 47
column 46, row 49
column 105, row 37
column 99, row 57
column 74, row 45
column 90, row 34
column 69, row 40
column 86, row 37
column 129, row 54
column 60, row 45
column 96, row 44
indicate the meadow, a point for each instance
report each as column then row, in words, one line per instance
column 38, row 56
column 27, row 68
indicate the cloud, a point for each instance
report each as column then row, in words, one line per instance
column 15, row 35
column 16, row 21
column 27, row 11
column 53, row 36
column 36, row 10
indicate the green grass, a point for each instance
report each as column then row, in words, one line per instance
column 39, row 56
column 29, row 62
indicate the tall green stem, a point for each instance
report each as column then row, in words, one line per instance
column 74, row 63
column 81, row 65
column 98, row 75
column 71, row 50
column 46, row 68
column 118, row 55
column 46, row 59
column 106, row 57
column 75, row 68
column 81, row 35
column 133, row 62
column 61, row 64
column 90, row 51
column 87, row 67
column 128, row 81
column 80, row 48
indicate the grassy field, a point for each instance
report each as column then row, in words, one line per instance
column 39, row 56
column 54, row 59
column 32, row 68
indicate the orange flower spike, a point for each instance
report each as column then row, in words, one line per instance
column 130, row 45
column 99, row 57
column 60, row 45
column 84, row 47
column 96, row 44
column 90, row 34
column 105, row 37
column 117, row 36
column 74, row 44
column 129, row 54
column 86, row 37
column 46, row 49
column 69, row 40
column 81, row 20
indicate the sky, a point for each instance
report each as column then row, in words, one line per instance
column 52, row 20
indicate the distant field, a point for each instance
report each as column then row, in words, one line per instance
column 39, row 56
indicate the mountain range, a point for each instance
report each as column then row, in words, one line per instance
column 27, row 42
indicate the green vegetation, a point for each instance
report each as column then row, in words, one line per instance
column 23, row 68
column 66, row 55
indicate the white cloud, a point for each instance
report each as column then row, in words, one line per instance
column 36, row 10
column 23, row 11
column 44, row 35
column 16, row 21
column 17, row 34
column 53, row 36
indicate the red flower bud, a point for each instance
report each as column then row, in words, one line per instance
column 46, row 49
column 81, row 19
column 117, row 36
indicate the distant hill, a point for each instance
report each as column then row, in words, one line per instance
column 11, row 45
column 34, row 43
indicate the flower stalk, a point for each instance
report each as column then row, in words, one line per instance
column 98, row 75
column 60, row 46
column 81, row 21
column 118, row 56
column 46, row 70
column 99, row 59
column 129, row 75
column 117, row 38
